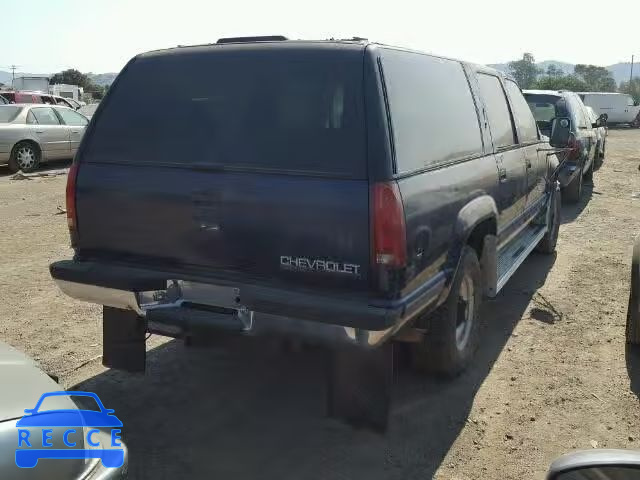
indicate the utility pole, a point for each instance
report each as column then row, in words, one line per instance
column 631, row 75
column 13, row 73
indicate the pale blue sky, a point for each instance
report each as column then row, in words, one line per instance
column 50, row 35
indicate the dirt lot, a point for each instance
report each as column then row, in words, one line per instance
column 552, row 373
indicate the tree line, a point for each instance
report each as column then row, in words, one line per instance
column 585, row 78
column 75, row 77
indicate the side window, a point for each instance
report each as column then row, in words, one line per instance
column 433, row 114
column 578, row 114
column 31, row 120
column 522, row 114
column 45, row 116
column 497, row 111
column 69, row 117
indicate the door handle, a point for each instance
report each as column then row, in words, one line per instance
column 39, row 131
column 502, row 174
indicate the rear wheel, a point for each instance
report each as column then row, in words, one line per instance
column 453, row 332
column 573, row 191
column 25, row 156
column 633, row 311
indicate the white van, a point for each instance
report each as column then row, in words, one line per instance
column 619, row 107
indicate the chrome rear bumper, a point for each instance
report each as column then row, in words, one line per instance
column 171, row 312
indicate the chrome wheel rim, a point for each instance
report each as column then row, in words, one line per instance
column 26, row 157
column 464, row 322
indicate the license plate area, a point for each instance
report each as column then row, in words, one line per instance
column 183, row 291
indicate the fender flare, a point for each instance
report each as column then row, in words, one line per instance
column 475, row 212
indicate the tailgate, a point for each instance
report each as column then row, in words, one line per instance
column 304, row 229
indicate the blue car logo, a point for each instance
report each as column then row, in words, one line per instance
column 31, row 447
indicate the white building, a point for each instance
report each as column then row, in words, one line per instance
column 67, row 91
column 34, row 84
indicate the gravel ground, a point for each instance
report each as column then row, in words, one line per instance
column 552, row 373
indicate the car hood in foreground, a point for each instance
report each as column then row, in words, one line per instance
column 23, row 383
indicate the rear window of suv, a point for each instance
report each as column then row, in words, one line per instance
column 266, row 108
column 433, row 114
column 545, row 108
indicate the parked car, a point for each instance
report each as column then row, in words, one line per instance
column 598, row 125
column 342, row 191
column 549, row 104
column 601, row 464
column 40, row 97
column 620, row 108
column 89, row 110
column 30, row 134
column 22, row 97
column 26, row 383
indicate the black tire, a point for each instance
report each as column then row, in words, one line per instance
column 548, row 243
column 25, row 156
column 588, row 175
column 573, row 191
column 602, row 155
column 633, row 311
column 447, row 350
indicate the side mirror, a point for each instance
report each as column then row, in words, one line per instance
column 597, row 464
column 560, row 132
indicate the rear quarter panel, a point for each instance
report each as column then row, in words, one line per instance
column 433, row 202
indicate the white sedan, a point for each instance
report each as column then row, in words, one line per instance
column 31, row 133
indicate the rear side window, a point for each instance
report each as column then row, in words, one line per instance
column 523, row 117
column 267, row 108
column 45, row 116
column 9, row 113
column 433, row 114
column 72, row 118
column 576, row 111
column 497, row 111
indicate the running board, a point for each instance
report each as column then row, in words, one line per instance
column 516, row 251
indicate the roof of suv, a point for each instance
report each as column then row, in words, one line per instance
column 357, row 44
column 256, row 43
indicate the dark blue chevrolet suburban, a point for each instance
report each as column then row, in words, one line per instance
column 350, row 193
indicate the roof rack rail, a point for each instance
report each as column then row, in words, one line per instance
column 266, row 38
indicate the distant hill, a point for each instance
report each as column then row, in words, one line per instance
column 98, row 78
column 620, row 71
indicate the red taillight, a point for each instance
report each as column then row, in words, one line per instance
column 574, row 145
column 72, row 219
column 389, row 233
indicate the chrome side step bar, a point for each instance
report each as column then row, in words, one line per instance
column 514, row 253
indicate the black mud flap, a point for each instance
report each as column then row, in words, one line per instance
column 359, row 386
column 123, row 340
